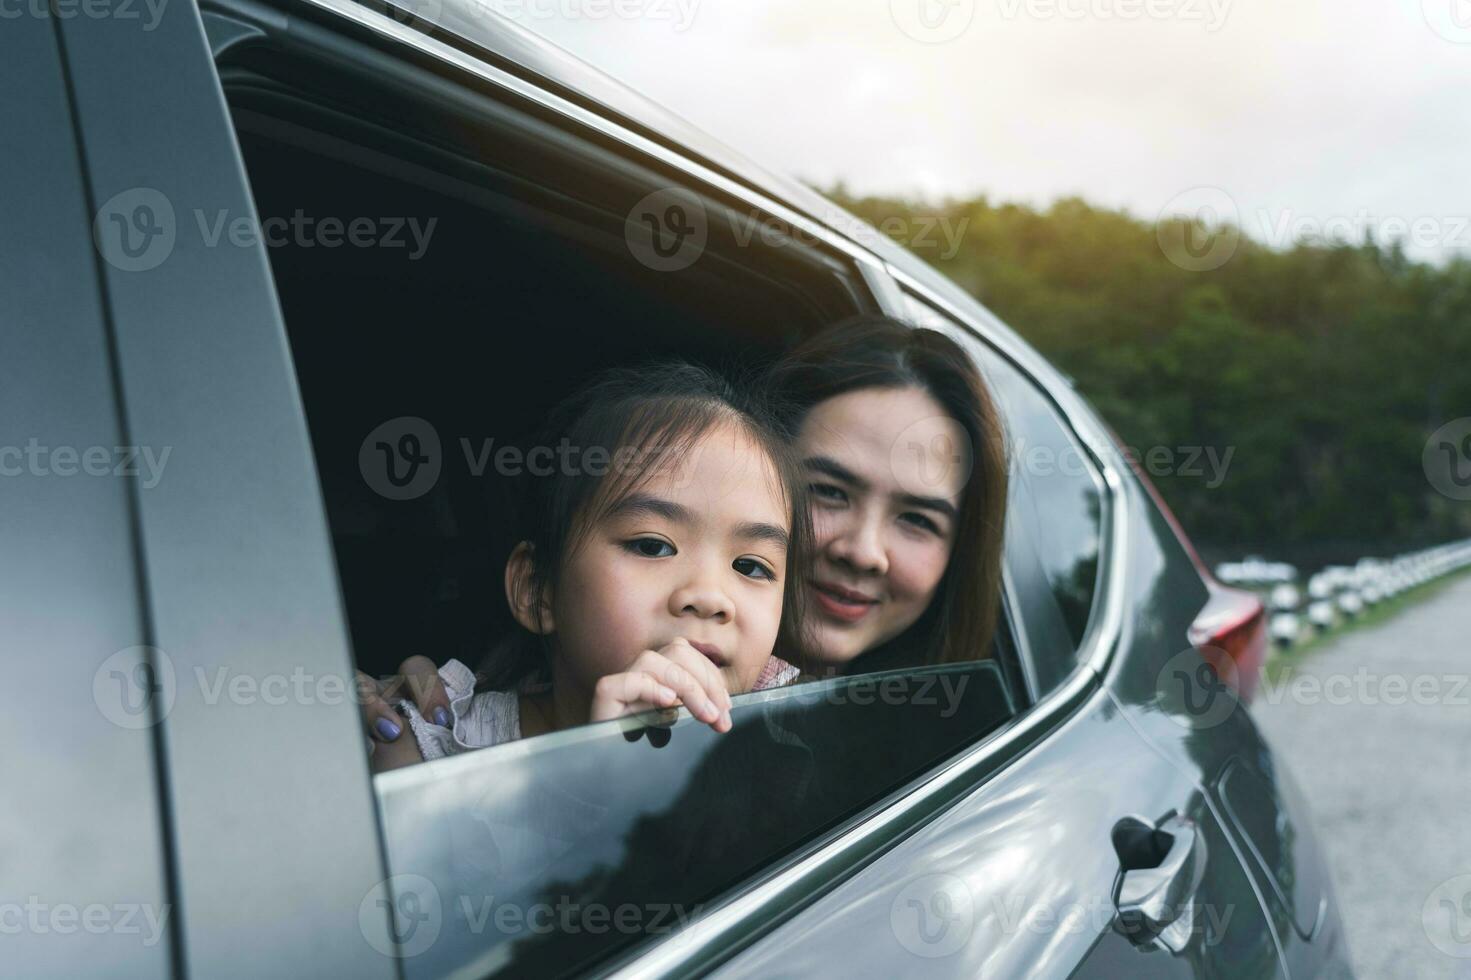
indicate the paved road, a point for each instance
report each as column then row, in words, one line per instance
column 1387, row 772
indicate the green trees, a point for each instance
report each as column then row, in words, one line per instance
column 1325, row 366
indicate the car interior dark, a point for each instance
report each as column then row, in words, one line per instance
column 525, row 286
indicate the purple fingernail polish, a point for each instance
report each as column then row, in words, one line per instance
column 387, row 730
column 441, row 717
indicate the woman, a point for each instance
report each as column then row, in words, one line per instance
column 906, row 466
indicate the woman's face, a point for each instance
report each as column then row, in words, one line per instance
column 887, row 468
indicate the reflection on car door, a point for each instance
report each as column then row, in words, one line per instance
column 1020, row 879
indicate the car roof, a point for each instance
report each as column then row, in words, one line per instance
column 513, row 48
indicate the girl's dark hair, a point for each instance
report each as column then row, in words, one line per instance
column 638, row 421
column 873, row 351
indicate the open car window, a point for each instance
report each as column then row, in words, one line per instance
column 552, row 854
column 499, row 270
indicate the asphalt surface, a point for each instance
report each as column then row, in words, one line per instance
column 1382, row 751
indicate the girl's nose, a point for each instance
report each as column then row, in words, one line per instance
column 703, row 600
column 859, row 545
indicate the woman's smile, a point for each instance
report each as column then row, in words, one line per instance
column 845, row 605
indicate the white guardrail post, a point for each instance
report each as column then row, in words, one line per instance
column 1339, row 593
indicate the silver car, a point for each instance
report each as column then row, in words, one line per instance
column 252, row 241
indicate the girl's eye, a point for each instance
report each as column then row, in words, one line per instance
column 921, row 521
column 751, row 568
column 650, row 547
column 826, row 491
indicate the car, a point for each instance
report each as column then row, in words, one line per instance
column 292, row 274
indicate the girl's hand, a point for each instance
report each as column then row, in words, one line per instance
column 380, row 722
column 417, row 680
column 662, row 679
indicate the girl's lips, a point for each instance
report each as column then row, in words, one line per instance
column 842, row 604
column 711, row 652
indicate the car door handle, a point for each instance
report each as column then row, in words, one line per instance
column 1160, row 873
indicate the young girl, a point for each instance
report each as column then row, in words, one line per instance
column 654, row 567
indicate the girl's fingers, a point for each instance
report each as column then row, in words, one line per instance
column 678, row 671
column 617, row 695
column 422, row 685
column 712, row 682
column 380, row 721
column 682, row 681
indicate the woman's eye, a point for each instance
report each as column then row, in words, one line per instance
column 826, row 491
column 921, row 521
column 751, row 568
column 650, row 547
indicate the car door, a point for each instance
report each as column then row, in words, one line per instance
column 1076, row 849
column 83, row 856
column 252, row 713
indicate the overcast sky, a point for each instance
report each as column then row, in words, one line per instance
column 1353, row 112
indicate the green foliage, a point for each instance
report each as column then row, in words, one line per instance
column 1326, row 367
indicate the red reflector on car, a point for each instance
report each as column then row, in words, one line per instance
column 1233, row 624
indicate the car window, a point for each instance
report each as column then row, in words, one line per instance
column 429, row 354
column 545, row 856
column 1054, row 510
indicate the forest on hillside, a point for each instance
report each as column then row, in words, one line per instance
column 1324, row 367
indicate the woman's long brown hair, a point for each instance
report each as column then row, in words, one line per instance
column 880, row 352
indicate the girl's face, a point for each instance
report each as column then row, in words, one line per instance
column 886, row 468
column 699, row 551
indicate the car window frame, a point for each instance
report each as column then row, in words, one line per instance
column 89, row 800
column 233, row 535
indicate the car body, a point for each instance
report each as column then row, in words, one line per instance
column 183, row 635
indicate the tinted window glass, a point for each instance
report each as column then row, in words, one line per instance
column 544, row 856
column 1055, row 492
column 1054, row 513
